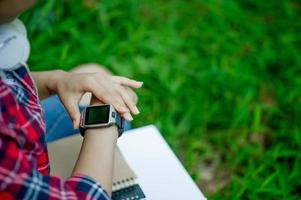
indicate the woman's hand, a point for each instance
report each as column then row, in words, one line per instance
column 115, row 90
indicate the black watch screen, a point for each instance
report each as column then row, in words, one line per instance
column 97, row 115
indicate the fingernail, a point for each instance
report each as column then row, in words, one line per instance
column 136, row 111
column 128, row 117
column 140, row 83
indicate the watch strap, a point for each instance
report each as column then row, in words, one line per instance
column 120, row 124
column 82, row 131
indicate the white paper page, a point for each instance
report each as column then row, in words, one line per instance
column 160, row 173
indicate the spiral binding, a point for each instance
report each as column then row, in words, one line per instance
column 119, row 185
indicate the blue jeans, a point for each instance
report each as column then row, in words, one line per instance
column 58, row 122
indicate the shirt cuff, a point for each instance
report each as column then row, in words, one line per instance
column 88, row 185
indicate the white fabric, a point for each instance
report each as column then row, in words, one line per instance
column 14, row 45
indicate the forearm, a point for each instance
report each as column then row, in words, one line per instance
column 46, row 82
column 96, row 157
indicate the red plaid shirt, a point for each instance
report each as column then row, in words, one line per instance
column 24, row 164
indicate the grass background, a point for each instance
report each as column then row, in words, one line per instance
column 222, row 80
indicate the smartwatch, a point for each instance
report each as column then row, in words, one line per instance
column 100, row 116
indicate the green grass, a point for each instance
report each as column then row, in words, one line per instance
column 222, row 80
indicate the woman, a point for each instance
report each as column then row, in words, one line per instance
column 24, row 164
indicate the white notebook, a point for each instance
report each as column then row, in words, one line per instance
column 161, row 174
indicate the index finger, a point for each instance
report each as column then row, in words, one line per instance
column 127, row 82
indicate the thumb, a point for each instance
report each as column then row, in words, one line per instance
column 71, row 105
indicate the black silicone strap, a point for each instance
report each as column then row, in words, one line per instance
column 120, row 124
column 82, row 131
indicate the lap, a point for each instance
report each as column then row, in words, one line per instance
column 58, row 122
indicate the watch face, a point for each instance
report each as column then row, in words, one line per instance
column 97, row 115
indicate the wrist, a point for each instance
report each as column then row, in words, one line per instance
column 109, row 134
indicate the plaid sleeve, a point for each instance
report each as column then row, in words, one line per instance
column 19, row 178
